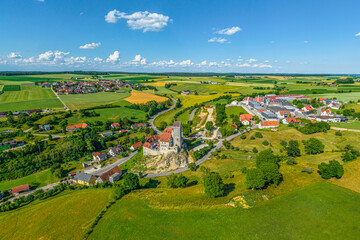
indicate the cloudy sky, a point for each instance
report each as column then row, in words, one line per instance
column 269, row 36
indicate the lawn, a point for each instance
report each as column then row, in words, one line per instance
column 38, row 179
column 318, row 211
column 80, row 101
column 350, row 125
column 235, row 110
column 66, row 216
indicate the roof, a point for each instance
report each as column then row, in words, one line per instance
column 292, row 119
column 309, row 108
column 147, row 145
column 95, row 154
column 115, row 124
column 284, row 112
column 165, row 137
column 83, row 176
column 322, row 99
column 235, row 126
column 269, row 123
column 246, row 117
column 106, row 175
column 136, row 145
column 20, row 188
column 167, row 130
column 76, row 126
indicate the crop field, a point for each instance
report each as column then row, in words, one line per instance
column 142, row 97
column 80, row 101
column 353, row 96
column 111, row 114
column 41, row 77
column 205, row 89
column 66, row 216
column 355, row 106
column 322, row 210
column 39, row 179
column 51, row 103
column 11, row 88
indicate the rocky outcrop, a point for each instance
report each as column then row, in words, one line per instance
column 166, row 162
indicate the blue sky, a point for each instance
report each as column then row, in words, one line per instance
column 252, row 36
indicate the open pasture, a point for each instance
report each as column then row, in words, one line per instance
column 353, row 96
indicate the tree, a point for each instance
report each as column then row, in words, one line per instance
column 181, row 181
column 209, row 126
column 255, row 150
column 271, row 172
column 258, row 135
column 192, row 167
column 120, row 191
column 162, row 125
column 313, row 146
column 266, row 156
column 283, row 143
column 332, row 169
column 265, row 143
column 214, row 186
column 293, row 149
column 255, row 178
column 131, row 181
column 50, row 137
column 171, row 180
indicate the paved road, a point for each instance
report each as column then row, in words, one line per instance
column 24, row 194
column 192, row 114
column 46, row 135
column 151, row 120
column 344, row 129
column 110, row 166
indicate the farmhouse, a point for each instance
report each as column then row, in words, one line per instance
column 112, row 175
column 135, row 126
column 20, row 189
column 84, row 178
column 171, row 140
column 246, row 119
column 268, row 124
column 76, row 127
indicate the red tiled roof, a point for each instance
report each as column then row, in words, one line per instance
column 284, row 112
column 95, row 154
column 115, row 124
column 269, row 123
column 309, row 108
column 76, row 126
column 147, row 145
column 106, row 175
column 168, row 130
column 136, row 145
column 123, row 130
column 165, row 137
column 312, row 121
column 246, row 117
column 21, row 188
column 322, row 99
column 261, row 110
column 235, row 126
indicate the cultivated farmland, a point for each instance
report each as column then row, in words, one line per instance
column 142, row 97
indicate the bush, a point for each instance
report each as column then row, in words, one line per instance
column 252, row 137
column 214, row 186
column 171, row 180
column 291, row 161
column 204, row 170
column 283, row 143
column 192, row 167
column 209, row 126
column 293, row 149
column 131, row 181
column 244, row 169
column 242, row 136
column 308, row 170
column 265, row 143
column 228, row 175
column 332, row 169
column 254, row 179
column 120, row 191
column 338, row 133
column 181, row 181
column 313, row 146
column 255, row 150
column 258, row 135
column 266, row 156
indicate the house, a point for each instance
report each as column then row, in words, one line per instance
column 135, row 146
column 235, row 126
column 335, row 105
column 112, row 175
column 84, row 178
column 341, row 119
column 307, row 109
column 106, row 134
column 268, row 114
column 113, row 151
column 20, row 189
column 45, row 127
column 76, row 127
column 115, row 125
column 268, row 124
column 283, row 114
column 327, row 112
column 123, row 131
column 46, row 84
column 246, row 119
column 185, row 92
column 98, row 156
column 292, row 120
column 234, row 103
column 246, row 100
column 325, row 119
column 135, row 126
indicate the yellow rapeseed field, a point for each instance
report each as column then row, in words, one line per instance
column 142, row 97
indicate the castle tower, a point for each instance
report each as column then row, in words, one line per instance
column 177, row 134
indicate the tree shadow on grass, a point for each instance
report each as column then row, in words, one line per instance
column 228, row 188
column 192, row 183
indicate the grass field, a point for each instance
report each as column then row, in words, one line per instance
column 66, row 216
column 142, row 97
column 351, row 125
column 318, row 211
column 39, row 179
column 112, row 114
column 11, row 88
column 235, row 110
column 204, row 89
column 354, row 96
column 80, row 101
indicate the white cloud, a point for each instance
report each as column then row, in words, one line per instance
column 229, row 31
column 265, row 66
column 41, row 0
column 146, row 21
column 203, row 63
column 97, row 59
column 115, row 57
column 244, row 65
column 53, row 56
column 306, row 42
column 213, row 64
column 29, row 60
column 14, row 55
column 90, row 45
column 357, row 35
column 185, row 63
column 139, row 60
column 251, row 60
column 218, row 40
column 75, row 60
